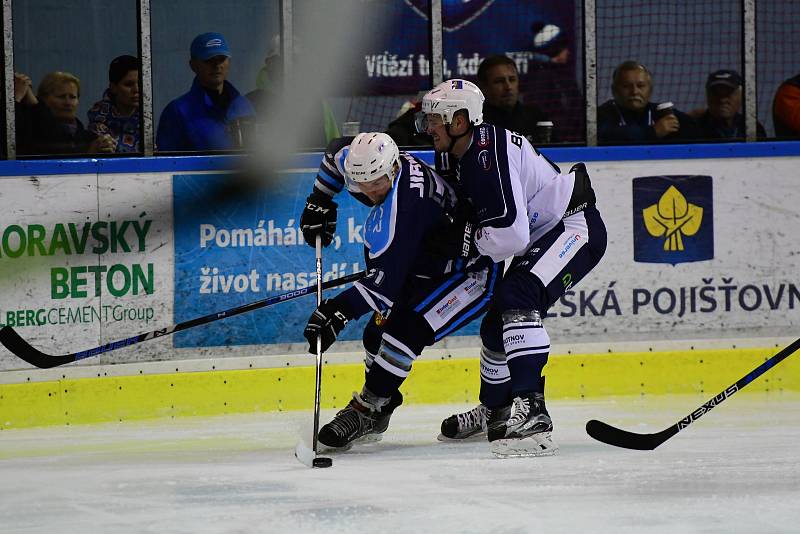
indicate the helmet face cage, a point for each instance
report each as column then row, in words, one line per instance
column 370, row 157
column 451, row 96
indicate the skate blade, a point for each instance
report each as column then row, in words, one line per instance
column 478, row 436
column 368, row 438
column 327, row 449
column 532, row 446
column 363, row 440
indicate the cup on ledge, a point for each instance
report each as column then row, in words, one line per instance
column 242, row 131
column 351, row 128
column 544, row 132
column 664, row 109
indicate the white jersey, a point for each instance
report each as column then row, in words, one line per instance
column 518, row 194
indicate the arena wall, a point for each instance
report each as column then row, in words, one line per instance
column 95, row 251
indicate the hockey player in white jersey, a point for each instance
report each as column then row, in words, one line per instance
column 418, row 298
column 523, row 207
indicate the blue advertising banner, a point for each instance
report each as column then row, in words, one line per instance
column 232, row 252
column 673, row 219
column 531, row 33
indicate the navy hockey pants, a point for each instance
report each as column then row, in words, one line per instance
column 429, row 310
column 515, row 351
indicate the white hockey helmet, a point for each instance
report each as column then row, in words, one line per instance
column 371, row 156
column 452, row 95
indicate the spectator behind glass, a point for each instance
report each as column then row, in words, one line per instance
column 267, row 95
column 47, row 123
column 721, row 120
column 499, row 82
column 786, row 109
column 267, row 100
column 212, row 115
column 630, row 117
column 269, row 83
column 551, row 84
column 404, row 129
column 117, row 114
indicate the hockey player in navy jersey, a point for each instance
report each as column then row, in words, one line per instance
column 419, row 298
column 523, row 207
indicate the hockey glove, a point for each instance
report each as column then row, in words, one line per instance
column 319, row 217
column 327, row 321
column 456, row 236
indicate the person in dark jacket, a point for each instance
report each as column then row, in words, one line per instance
column 499, row 81
column 722, row 120
column 405, row 129
column 47, row 123
column 630, row 117
column 213, row 115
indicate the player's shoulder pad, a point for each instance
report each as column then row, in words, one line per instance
column 337, row 143
column 337, row 150
column 483, row 136
column 414, row 180
column 483, row 140
column 380, row 225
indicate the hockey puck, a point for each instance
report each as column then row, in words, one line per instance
column 322, row 461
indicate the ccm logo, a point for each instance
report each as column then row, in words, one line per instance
column 314, row 207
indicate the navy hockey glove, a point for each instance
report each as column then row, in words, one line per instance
column 327, row 321
column 456, row 237
column 319, row 217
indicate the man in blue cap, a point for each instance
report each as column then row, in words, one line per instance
column 212, row 114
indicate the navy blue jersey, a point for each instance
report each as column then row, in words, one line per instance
column 393, row 237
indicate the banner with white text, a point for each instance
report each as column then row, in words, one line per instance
column 698, row 249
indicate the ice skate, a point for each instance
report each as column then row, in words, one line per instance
column 466, row 426
column 496, row 418
column 526, row 432
column 363, row 420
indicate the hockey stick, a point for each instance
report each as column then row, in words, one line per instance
column 24, row 350
column 311, row 458
column 647, row 442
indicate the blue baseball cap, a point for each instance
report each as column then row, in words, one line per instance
column 208, row 45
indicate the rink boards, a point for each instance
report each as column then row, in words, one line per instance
column 699, row 284
column 126, row 395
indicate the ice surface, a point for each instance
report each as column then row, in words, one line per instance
column 735, row 470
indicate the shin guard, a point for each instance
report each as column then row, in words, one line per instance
column 527, row 346
column 495, row 379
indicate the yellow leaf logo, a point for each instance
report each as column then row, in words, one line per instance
column 672, row 218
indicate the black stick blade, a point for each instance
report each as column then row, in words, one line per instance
column 628, row 440
column 25, row 351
